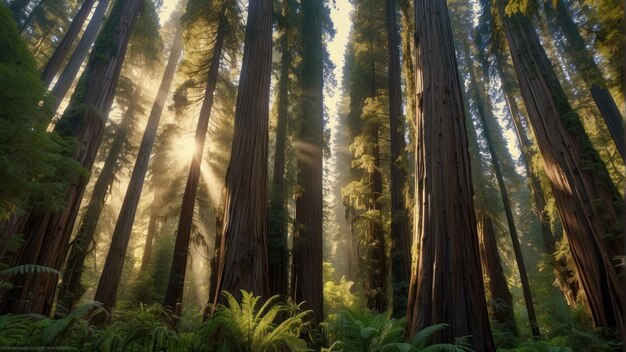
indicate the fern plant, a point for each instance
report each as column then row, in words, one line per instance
column 357, row 330
column 147, row 328
column 243, row 327
column 72, row 331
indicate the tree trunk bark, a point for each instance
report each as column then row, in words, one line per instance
column 446, row 286
column 307, row 284
column 243, row 252
column 401, row 255
column 146, row 258
column 586, row 66
column 566, row 279
column 48, row 234
column 589, row 205
column 150, row 135
column 109, row 280
column 71, row 289
column 63, row 84
column 612, row 117
column 176, row 282
column 519, row 259
column 277, row 224
column 501, row 300
column 61, row 52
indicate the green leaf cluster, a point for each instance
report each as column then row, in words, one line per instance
column 32, row 159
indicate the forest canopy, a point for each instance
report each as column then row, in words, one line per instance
column 312, row 175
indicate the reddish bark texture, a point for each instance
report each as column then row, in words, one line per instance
column 501, row 301
column 243, row 253
column 446, row 285
column 589, row 205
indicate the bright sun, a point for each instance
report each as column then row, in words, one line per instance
column 185, row 147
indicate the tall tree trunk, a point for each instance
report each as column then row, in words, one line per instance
column 243, row 252
column 446, row 286
column 589, row 205
column 586, row 66
column 111, row 272
column 501, row 300
column 307, row 284
column 146, row 257
column 174, row 293
column 278, row 254
column 519, row 259
column 63, row 84
column 71, row 289
column 400, row 251
column 61, row 52
column 375, row 282
column 150, row 135
column 566, row 279
column 48, row 234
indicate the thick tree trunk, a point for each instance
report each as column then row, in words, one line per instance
column 567, row 282
column 519, row 259
column 243, row 252
column 586, row 66
column 63, row 84
column 71, row 289
column 61, row 52
column 446, row 286
column 110, row 278
column 307, row 284
column 174, row 293
column 589, row 205
column 48, row 234
column 501, row 300
column 277, row 223
column 400, row 251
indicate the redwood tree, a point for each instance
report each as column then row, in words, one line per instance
column 63, row 84
column 400, row 251
column 243, row 252
column 174, row 293
column 54, row 64
column 501, row 301
column 446, row 285
column 307, row 284
column 48, row 233
column 589, row 205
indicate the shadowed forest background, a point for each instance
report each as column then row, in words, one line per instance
column 312, row 175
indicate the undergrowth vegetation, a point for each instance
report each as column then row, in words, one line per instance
column 249, row 325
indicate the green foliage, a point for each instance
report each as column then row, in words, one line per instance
column 573, row 340
column 35, row 330
column 243, row 327
column 361, row 330
column 30, row 157
column 147, row 328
